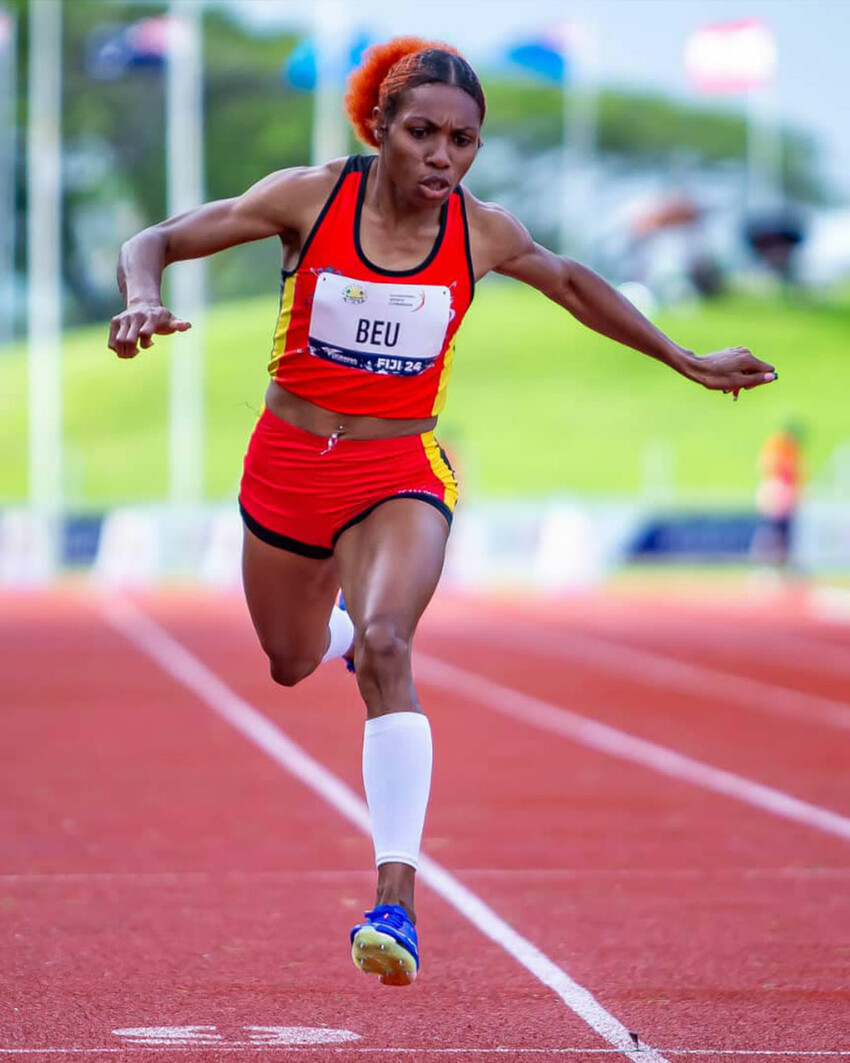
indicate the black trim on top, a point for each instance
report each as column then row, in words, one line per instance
column 460, row 192
column 445, row 458
column 350, row 167
column 437, row 503
column 361, row 195
column 284, row 542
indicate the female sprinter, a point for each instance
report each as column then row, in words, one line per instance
column 344, row 483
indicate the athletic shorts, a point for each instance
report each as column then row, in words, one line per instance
column 301, row 491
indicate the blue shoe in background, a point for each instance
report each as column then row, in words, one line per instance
column 386, row 945
column 349, row 661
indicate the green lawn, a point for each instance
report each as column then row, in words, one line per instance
column 537, row 404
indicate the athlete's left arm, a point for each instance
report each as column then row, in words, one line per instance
column 502, row 244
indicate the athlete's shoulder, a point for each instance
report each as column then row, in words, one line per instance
column 289, row 200
column 297, row 187
column 495, row 234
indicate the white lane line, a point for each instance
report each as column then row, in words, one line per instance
column 734, row 639
column 186, row 669
column 167, row 878
column 499, row 1050
column 830, row 603
column 657, row 670
column 182, row 878
column 548, row 717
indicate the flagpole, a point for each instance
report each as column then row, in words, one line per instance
column 764, row 152
column 8, row 166
column 580, row 108
column 331, row 34
column 185, row 191
column 44, row 268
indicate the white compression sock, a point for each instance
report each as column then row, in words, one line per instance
column 342, row 634
column 397, row 758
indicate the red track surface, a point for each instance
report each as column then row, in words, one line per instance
column 161, row 871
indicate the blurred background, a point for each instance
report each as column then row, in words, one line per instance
column 694, row 152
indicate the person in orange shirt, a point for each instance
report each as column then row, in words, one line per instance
column 345, row 485
column 780, row 467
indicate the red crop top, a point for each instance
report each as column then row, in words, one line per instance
column 358, row 339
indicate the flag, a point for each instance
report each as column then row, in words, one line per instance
column 731, row 57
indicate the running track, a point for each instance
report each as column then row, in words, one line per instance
column 640, row 822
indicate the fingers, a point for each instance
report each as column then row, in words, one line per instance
column 751, row 364
column 123, row 336
column 134, row 328
column 748, row 382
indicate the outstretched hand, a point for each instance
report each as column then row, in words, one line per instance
column 733, row 369
column 136, row 326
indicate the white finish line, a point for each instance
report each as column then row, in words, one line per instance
column 186, row 1036
column 186, row 669
column 499, row 1050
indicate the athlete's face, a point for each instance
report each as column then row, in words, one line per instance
column 431, row 141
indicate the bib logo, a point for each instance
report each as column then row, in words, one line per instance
column 354, row 293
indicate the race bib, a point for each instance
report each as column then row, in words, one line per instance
column 383, row 328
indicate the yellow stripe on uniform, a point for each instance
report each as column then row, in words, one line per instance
column 441, row 468
column 443, row 385
column 287, row 298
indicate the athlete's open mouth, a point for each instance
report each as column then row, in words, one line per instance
column 436, row 184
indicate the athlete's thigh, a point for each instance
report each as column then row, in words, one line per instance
column 390, row 563
column 289, row 597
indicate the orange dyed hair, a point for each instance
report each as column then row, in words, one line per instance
column 402, row 63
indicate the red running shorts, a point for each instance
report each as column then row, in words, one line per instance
column 301, row 491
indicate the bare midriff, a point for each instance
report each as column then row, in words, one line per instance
column 321, row 422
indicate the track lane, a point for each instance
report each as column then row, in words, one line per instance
column 149, row 874
column 714, row 961
column 807, row 760
column 797, row 658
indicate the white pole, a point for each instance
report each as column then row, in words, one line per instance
column 331, row 36
column 580, row 133
column 764, row 152
column 185, row 160
column 8, row 162
column 44, row 297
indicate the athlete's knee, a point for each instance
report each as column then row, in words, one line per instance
column 383, row 650
column 287, row 671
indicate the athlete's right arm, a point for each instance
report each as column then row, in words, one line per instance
column 281, row 204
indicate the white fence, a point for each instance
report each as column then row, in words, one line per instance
column 543, row 545
column 538, row 545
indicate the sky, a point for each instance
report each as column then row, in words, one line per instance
column 640, row 45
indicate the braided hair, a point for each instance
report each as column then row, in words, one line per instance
column 388, row 70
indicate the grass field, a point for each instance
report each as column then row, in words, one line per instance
column 537, row 404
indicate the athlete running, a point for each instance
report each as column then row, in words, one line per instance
column 345, row 484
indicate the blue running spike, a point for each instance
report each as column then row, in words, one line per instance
column 349, row 662
column 386, row 945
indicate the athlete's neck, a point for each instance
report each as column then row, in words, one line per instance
column 388, row 201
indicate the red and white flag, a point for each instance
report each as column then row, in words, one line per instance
column 6, row 27
column 730, row 57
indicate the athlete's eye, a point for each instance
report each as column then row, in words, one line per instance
column 461, row 140
column 418, row 132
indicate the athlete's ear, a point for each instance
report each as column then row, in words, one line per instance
column 379, row 124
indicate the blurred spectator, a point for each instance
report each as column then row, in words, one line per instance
column 780, row 467
column 667, row 250
column 774, row 239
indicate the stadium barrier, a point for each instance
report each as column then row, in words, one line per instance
column 536, row 545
